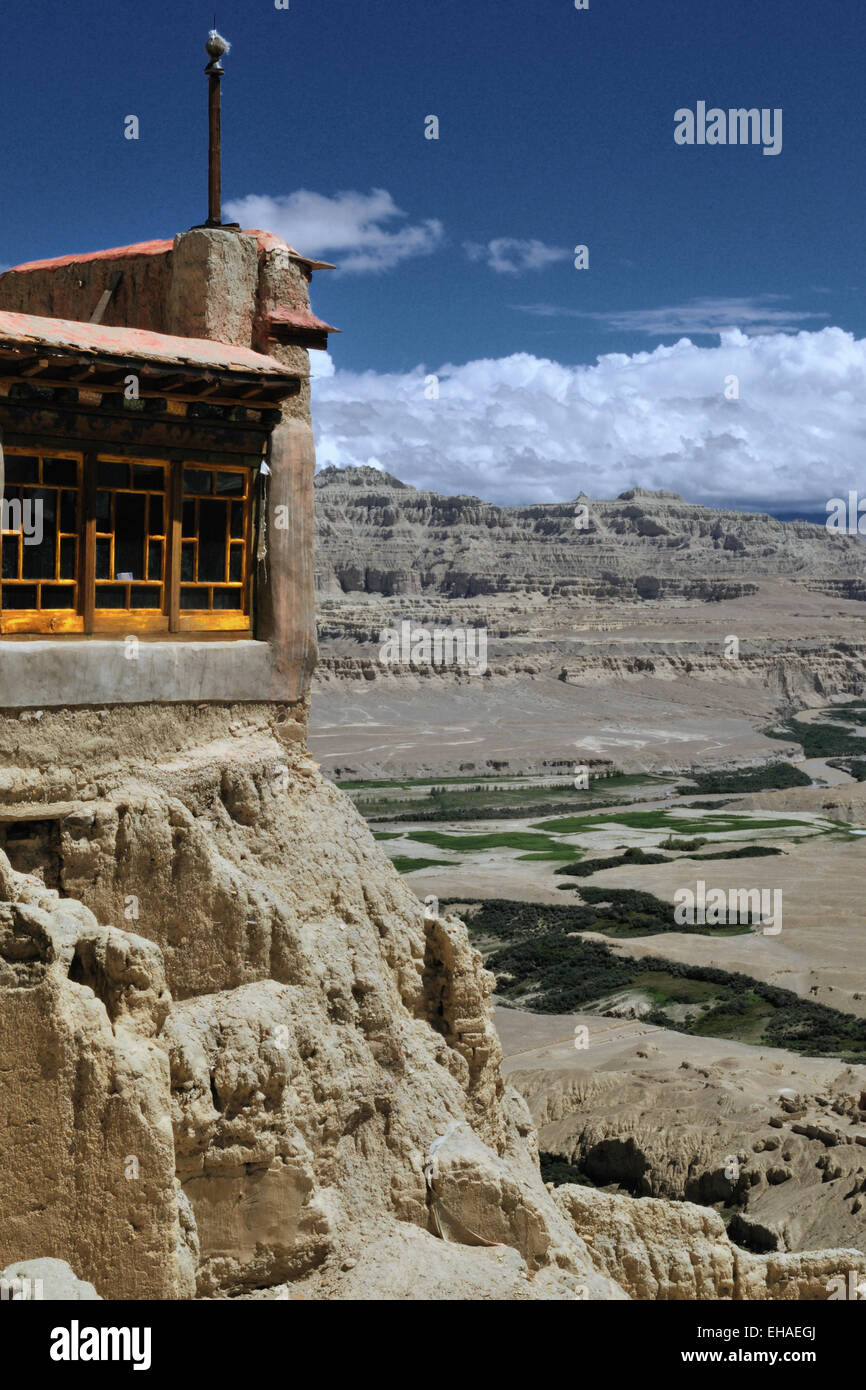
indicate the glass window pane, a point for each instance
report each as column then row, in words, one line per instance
column 236, row 564
column 10, row 556
column 103, row 559
column 226, row 598
column 58, row 596
column 187, row 561
column 111, row 596
column 154, row 521
column 39, row 559
column 154, row 560
column 197, row 480
column 143, row 597
column 237, row 509
column 21, row 468
column 68, row 512
column 230, row 482
column 19, row 596
column 129, row 535
column 61, row 471
column 212, row 540
column 194, row 598
column 189, row 518
column 103, row 509
column 148, row 476
column 112, row 474
column 67, row 558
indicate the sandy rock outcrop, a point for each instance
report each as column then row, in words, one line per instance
column 667, row 1251
column 87, row 1168
column 278, row 1039
column 782, row 1150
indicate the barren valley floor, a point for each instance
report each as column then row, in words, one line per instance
column 671, row 1080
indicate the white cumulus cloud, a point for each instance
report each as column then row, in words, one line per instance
column 510, row 255
column 525, row 428
column 364, row 231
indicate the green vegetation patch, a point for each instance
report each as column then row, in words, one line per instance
column 586, row 867
column 552, row 855
column 592, row 866
column 773, row 777
column 404, row 864
column 721, row 824
column 537, row 964
column 854, row 713
column 819, row 740
column 502, row 797
column 558, row 1171
column 500, row 839
column 618, row 912
column 743, row 852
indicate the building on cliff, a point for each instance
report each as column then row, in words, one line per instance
column 156, row 467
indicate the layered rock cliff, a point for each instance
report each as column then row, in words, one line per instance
column 377, row 535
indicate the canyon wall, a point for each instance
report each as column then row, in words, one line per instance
column 377, row 535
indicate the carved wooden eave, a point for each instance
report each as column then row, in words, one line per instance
column 86, row 360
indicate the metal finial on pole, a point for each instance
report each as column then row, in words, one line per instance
column 215, row 47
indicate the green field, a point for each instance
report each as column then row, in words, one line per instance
column 456, row 799
column 748, row 779
column 722, row 823
column 501, row 839
column 540, row 966
column 820, row 740
column 404, row 864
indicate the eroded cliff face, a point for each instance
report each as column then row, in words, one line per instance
column 673, row 1251
column 789, row 1163
column 237, row 1056
column 377, row 535
column 270, row 1040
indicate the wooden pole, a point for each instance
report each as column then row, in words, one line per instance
column 214, row 211
column 215, row 47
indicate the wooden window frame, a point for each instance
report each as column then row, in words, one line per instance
column 208, row 618
column 47, row 620
column 168, row 618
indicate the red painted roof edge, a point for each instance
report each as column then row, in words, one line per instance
column 31, row 329
column 115, row 253
column 267, row 241
column 301, row 318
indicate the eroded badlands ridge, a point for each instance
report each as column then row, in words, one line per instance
column 271, row 1069
column 377, row 535
column 607, row 644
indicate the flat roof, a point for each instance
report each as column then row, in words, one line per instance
column 267, row 241
column 29, row 331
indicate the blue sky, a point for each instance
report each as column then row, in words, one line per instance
column 556, row 128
